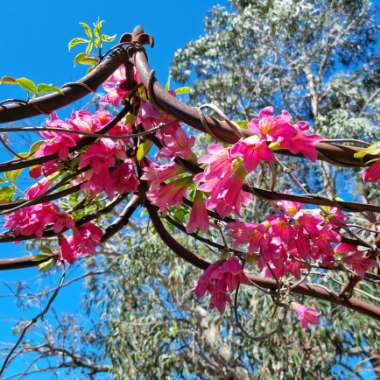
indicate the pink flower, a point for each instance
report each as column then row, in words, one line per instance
column 82, row 121
column 46, row 169
column 253, row 150
column 62, row 221
column 124, row 178
column 246, row 233
column 271, row 127
column 223, row 178
column 32, row 220
column 177, row 144
column 279, row 131
column 148, row 116
column 302, row 142
column 198, row 215
column 306, row 315
column 372, row 173
column 219, row 280
column 227, row 195
column 355, row 259
column 219, row 162
column 291, row 208
column 38, row 189
column 170, row 194
column 57, row 142
column 101, row 154
column 85, row 240
column 66, row 251
column 157, row 174
column 115, row 87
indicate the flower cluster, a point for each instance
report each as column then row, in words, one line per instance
column 116, row 86
column 32, row 220
column 219, row 280
column 83, row 242
column 284, row 243
column 226, row 168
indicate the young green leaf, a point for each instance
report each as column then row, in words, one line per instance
column 8, row 80
column 35, row 147
column 43, row 88
column 46, row 265
column 41, row 257
column 183, row 90
column 167, row 85
column 374, row 149
column 242, row 123
column 107, row 38
column 6, row 193
column 97, row 28
column 76, row 41
column 27, row 84
column 84, row 59
column 89, row 47
column 87, row 29
column 143, row 149
column 14, row 174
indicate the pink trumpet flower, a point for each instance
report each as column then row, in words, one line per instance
column 306, row 315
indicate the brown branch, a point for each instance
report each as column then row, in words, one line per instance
column 69, row 93
column 129, row 209
column 173, row 244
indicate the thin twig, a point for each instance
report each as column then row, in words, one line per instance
column 33, row 321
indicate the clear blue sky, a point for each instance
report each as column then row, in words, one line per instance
column 34, row 44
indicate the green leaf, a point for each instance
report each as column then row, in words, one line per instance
column 8, row 80
column 374, row 150
column 46, row 265
column 76, row 41
column 167, row 86
column 89, row 47
column 242, row 123
column 6, row 193
column 130, row 119
column 143, row 149
column 183, row 90
column 84, row 59
column 46, row 250
column 35, row 147
column 27, row 84
column 107, row 38
column 97, row 43
column 41, row 257
column 43, row 88
column 173, row 331
column 87, row 29
column 97, row 28
column 14, row 174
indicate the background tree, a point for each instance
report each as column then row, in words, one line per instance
column 315, row 59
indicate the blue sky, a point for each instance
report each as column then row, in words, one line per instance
column 34, row 44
